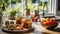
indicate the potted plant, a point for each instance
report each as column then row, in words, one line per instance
column 12, row 14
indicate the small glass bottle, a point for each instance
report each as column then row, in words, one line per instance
column 36, row 16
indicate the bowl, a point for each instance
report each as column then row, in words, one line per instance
column 50, row 26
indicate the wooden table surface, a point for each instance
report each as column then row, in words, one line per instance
column 38, row 30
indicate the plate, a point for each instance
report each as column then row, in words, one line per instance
column 17, row 31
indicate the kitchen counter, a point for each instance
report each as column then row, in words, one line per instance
column 38, row 30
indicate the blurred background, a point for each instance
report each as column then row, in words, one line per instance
column 6, row 6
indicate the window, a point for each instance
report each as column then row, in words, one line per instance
column 32, row 5
column 39, row 4
column 16, row 4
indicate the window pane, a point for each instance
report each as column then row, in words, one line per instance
column 15, row 1
column 34, row 1
column 14, row 5
column 19, row 1
column 38, row 4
